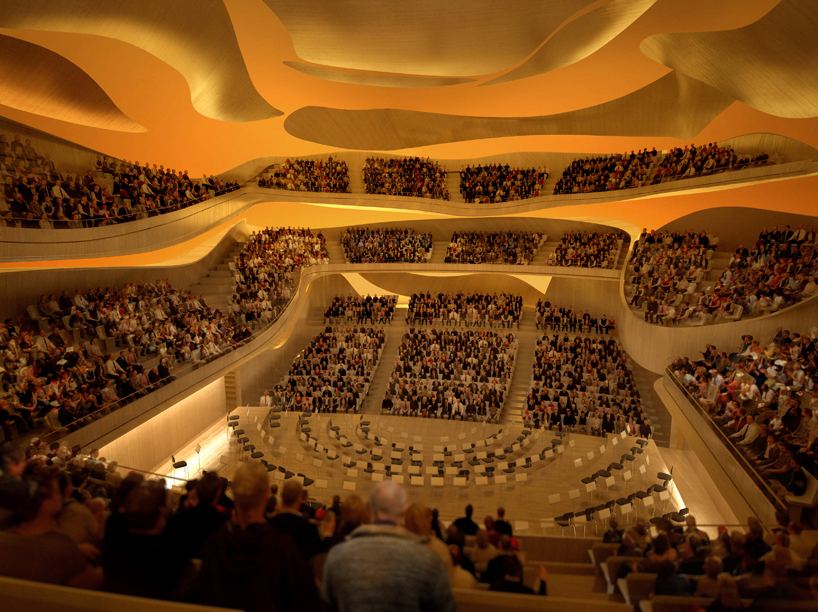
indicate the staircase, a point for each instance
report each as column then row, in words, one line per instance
column 520, row 382
column 453, row 184
column 335, row 250
column 377, row 388
column 546, row 249
column 652, row 405
column 232, row 390
column 217, row 286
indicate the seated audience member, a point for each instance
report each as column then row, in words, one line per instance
column 412, row 177
column 512, row 580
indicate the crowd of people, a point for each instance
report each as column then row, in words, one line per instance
column 71, row 519
column 516, row 248
column 703, row 160
column 451, row 374
column 584, row 385
column 411, row 176
column 266, row 268
column 760, row 397
column 495, row 183
column 386, row 245
column 586, row 250
column 568, row 319
column 667, row 267
column 472, row 309
column 611, row 173
column 333, row 373
column 770, row 567
column 77, row 380
column 375, row 309
column 776, row 272
column 331, row 176
column 38, row 194
column 69, row 372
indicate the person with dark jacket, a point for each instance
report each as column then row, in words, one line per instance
column 249, row 565
column 466, row 524
column 291, row 521
column 512, row 581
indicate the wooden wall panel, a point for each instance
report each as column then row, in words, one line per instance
column 153, row 442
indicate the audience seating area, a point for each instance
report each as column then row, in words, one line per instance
column 587, row 250
column 374, row 309
column 468, row 309
column 330, row 176
column 703, row 160
column 77, row 357
column 612, row 173
column 38, row 194
column 105, row 348
column 411, row 176
column 667, row 276
column 491, row 184
column 386, row 245
column 451, row 374
column 761, row 397
column 584, row 385
column 494, row 248
column 333, row 373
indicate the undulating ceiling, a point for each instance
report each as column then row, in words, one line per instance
column 207, row 85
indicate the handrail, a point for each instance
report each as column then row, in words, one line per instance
column 748, row 467
column 62, row 432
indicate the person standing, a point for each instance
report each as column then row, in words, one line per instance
column 382, row 567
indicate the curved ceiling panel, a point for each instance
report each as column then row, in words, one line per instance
column 453, row 38
column 196, row 37
column 769, row 65
column 579, row 39
column 61, row 90
column 374, row 80
column 674, row 106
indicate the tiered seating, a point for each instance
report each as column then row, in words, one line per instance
column 469, row 309
column 38, row 194
column 373, row 309
column 451, row 374
column 760, row 399
column 69, row 380
column 584, row 385
column 587, row 250
column 386, row 245
column 568, row 319
column 703, row 160
column 611, row 173
column 497, row 183
column 264, row 271
column 333, row 373
column 410, row 176
column 490, row 247
column 330, row 176
column 777, row 272
column 667, row 268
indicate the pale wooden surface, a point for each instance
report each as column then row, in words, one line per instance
column 196, row 38
column 524, row 501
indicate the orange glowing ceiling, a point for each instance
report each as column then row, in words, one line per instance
column 217, row 82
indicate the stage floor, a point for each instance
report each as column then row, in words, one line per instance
column 549, row 488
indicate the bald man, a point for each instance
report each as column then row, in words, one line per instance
column 382, row 567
